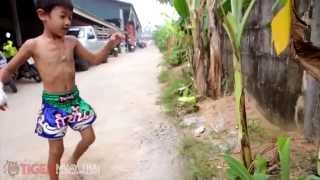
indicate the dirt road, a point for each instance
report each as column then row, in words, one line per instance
column 134, row 139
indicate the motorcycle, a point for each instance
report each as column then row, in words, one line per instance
column 28, row 71
column 10, row 83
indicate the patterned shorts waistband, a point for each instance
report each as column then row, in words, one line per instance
column 61, row 97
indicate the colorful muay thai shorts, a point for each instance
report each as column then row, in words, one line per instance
column 59, row 111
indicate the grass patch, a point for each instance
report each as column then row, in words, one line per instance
column 170, row 95
column 179, row 94
column 164, row 76
column 256, row 131
column 198, row 155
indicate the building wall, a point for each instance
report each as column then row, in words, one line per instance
column 311, row 10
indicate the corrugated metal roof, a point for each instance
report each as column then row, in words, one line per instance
column 93, row 18
column 103, row 10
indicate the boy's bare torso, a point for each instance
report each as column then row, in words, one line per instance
column 55, row 62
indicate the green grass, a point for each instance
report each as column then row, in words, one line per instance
column 169, row 98
column 164, row 76
column 199, row 156
column 256, row 132
column 179, row 93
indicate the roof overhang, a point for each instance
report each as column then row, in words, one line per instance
column 90, row 17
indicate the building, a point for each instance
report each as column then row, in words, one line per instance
column 20, row 19
column 117, row 12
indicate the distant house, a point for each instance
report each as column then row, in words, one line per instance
column 117, row 12
column 20, row 19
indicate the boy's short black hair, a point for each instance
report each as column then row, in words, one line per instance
column 48, row 5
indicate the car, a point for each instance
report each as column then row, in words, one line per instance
column 89, row 39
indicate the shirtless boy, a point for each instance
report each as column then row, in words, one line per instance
column 62, row 106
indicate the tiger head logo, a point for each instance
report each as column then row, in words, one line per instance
column 12, row 168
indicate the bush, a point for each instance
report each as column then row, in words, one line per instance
column 179, row 92
column 175, row 43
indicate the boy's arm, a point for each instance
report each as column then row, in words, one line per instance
column 23, row 54
column 96, row 58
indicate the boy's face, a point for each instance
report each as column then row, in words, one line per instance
column 58, row 21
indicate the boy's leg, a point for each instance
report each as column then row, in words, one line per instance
column 87, row 138
column 55, row 153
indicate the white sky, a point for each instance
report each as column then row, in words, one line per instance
column 149, row 11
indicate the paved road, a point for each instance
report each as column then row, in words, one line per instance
column 134, row 139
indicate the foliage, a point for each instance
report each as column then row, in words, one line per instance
column 283, row 145
column 9, row 50
column 238, row 171
column 234, row 16
column 182, row 8
column 278, row 5
column 199, row 156
column 162, row 35
column 175, row 43
column 178, row 93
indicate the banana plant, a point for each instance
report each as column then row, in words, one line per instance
column 237, row 170
column 234, row 14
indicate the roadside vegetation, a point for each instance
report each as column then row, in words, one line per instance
column 191, row 76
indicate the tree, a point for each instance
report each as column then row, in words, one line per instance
column 201, row 16
column 215, row 63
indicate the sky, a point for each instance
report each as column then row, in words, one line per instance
column 150, row 11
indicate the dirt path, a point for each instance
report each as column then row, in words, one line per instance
column 134, row 139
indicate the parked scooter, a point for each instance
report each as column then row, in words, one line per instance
column 10, row 83
column 28, row 71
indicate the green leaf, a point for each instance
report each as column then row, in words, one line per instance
column 283, row 145
column 224, row 8
column 260, row 176
column 313, row 177
column 231, row 25
column 236, row 9
column 181, row 7
column 278, row 5
column 260, row 165
column 245, row 19
column 237, row 168
column 187, row 99
column 238, row 85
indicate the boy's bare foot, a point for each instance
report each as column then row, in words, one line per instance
column 74, row 170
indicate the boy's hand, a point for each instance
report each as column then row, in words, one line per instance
column 116, row 39
column 3, row 98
